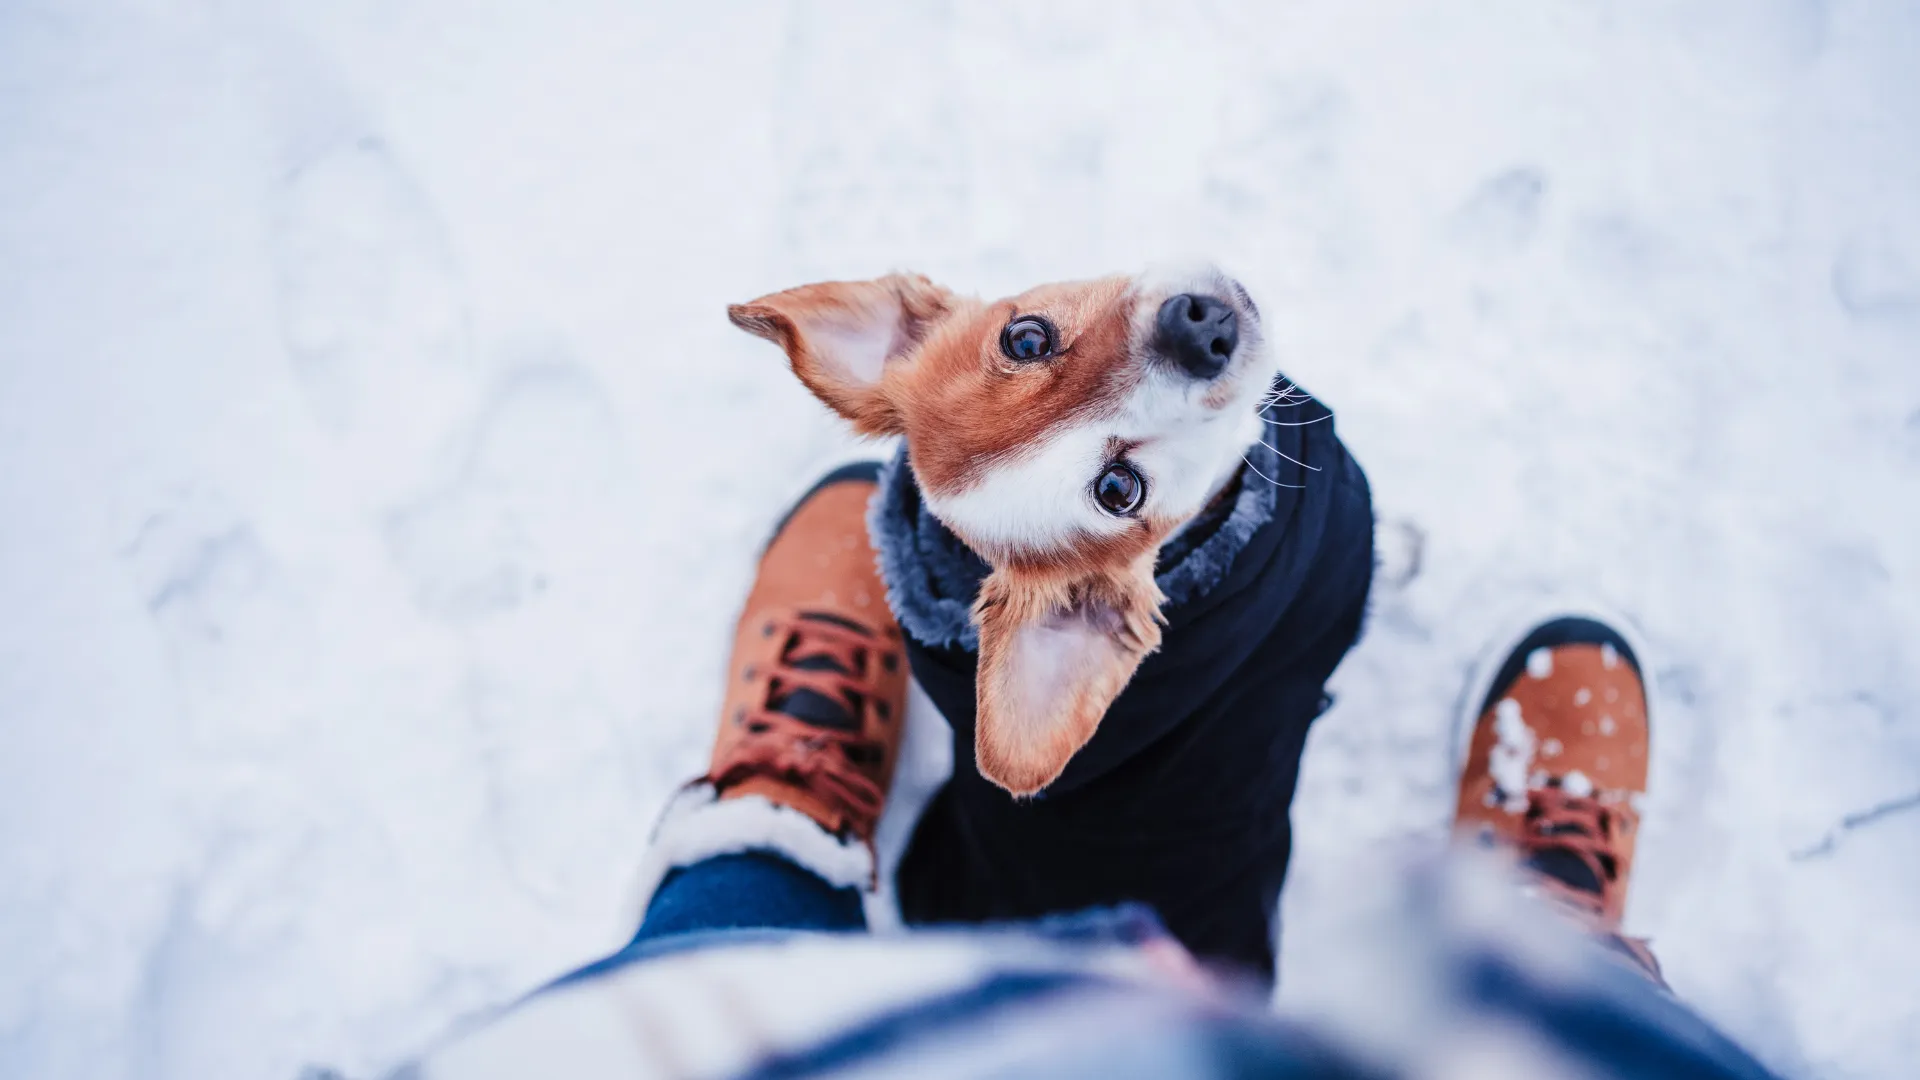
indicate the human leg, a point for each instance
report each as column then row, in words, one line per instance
column 778, row 834
column 1555, row 764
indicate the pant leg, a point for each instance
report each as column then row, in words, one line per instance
column 736, row 867
column 750, row 890
column 738, row 892
column 1616, row 1020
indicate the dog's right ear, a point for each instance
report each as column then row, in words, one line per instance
column 840, row 337
column 1054, row 653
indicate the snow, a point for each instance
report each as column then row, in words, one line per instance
column 1540, row 663
column 381, row 472
column 1510, row 759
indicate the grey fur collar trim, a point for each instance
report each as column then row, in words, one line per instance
column 932, row 577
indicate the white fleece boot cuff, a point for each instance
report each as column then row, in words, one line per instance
column 699, row 825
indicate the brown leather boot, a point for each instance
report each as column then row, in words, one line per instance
column 1555, row 765
column 817, row 685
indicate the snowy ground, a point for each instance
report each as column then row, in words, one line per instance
column 380, row 472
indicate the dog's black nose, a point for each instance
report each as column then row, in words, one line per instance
column 1198, row 333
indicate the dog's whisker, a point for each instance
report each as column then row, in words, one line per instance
column 1296, row 461
column 1296, row 423
column 1284, row 400
column 1269, row 479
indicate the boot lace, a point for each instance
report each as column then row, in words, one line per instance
column 1567, row 833
column 1570, row 843
column 833, row 660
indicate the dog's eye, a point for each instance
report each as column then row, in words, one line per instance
column 1027, row 338
column 1119, row 490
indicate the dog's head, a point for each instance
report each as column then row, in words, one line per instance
column 1064, row 434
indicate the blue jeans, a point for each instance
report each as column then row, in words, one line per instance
column 1616, row 1023
column 730, row 897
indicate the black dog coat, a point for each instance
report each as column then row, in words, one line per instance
column 1180, row 800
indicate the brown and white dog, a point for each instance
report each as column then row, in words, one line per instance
column 1064, row 434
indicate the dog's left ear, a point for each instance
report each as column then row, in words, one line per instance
column 841, row 337
column 1053, row 655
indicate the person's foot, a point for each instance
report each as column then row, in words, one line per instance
column 1555, row 766
column 817, row 683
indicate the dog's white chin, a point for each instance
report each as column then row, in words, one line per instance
column 1229, row 469
column 1244, row 414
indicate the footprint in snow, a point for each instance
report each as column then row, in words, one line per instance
column 1873, row 277
column 232, row 626
column 371, row 310
column 536, row 487
column 1503, row 213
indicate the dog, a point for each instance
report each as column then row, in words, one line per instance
column 1064, row 434
column 1127, row 555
